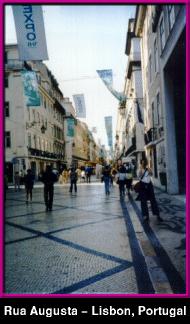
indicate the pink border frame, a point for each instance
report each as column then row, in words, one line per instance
column 187, row 294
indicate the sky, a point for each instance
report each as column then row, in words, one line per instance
column 80, row 40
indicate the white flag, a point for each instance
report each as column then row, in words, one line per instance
column 80, row 105
column 30, row 32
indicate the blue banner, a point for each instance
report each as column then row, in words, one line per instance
column 70, row 127
column 30, row 88
column 107, row 77
column 80, row 105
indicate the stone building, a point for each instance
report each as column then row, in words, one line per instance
column 34, row 136
column 162, row 32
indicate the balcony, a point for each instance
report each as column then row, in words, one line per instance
column 151, row 136
column 14, row 65
column 132, row 148
column 45, row 154
column 134, row 59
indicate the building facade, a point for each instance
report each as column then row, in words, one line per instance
column 34, row 136
column 162, row 32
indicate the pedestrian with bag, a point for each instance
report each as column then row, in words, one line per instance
column 49, row 178
column 146, row 192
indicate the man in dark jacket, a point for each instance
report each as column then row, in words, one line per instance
column 48, row 178
column 73, row 179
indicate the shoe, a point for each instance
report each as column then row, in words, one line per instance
column 160, row 219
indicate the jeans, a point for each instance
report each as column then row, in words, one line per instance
column 73, row 184
column 107, row 184
column 48, row 195
column 148, row 194
column 122, row 187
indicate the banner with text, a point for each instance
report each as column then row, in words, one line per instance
column 107, row 77
column 30, row 32
column 30, row 88
column 108, row 126
column 70, row 127
column 80, row 105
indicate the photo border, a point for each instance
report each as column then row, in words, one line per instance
column 2, row 43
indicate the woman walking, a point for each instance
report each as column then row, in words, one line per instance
column 129, row 177
column 107, row 179
column 121, row 178
column 29, row 183
column 147, row 192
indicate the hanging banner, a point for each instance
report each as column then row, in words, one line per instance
column 107, row 77
column 80, row 105
column 30, row 32
column 108, row 126
column 70, row 127
column 30, row 88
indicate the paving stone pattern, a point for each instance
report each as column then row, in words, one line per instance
column 93, row 244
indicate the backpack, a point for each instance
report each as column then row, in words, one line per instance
column 73, row 176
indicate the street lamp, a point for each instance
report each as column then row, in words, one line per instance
column 32, row 124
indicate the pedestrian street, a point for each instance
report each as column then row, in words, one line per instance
column 93, row 243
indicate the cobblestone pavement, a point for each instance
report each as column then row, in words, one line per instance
column 93, row 243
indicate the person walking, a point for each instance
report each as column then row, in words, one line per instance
column 147, row 192
column 88, row 173
column 120, row 179
column 83, row 176
column 49, row 178
column 107, row 179
column 129, row 177
column 73, row 179
column 17, row 181
column 29, row 183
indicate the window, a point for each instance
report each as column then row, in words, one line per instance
column 171, row 16
column 155, row 56
column 5, row 58
column 7, row 139
column 39, row 143
column 29, row 140
column 7, row 112
column 35, row 144
column 6, row 81
column 150, row 68
column 34, row 115
column 28, row 110
column 162, row 34
column 157, row 112
column 153, row 113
